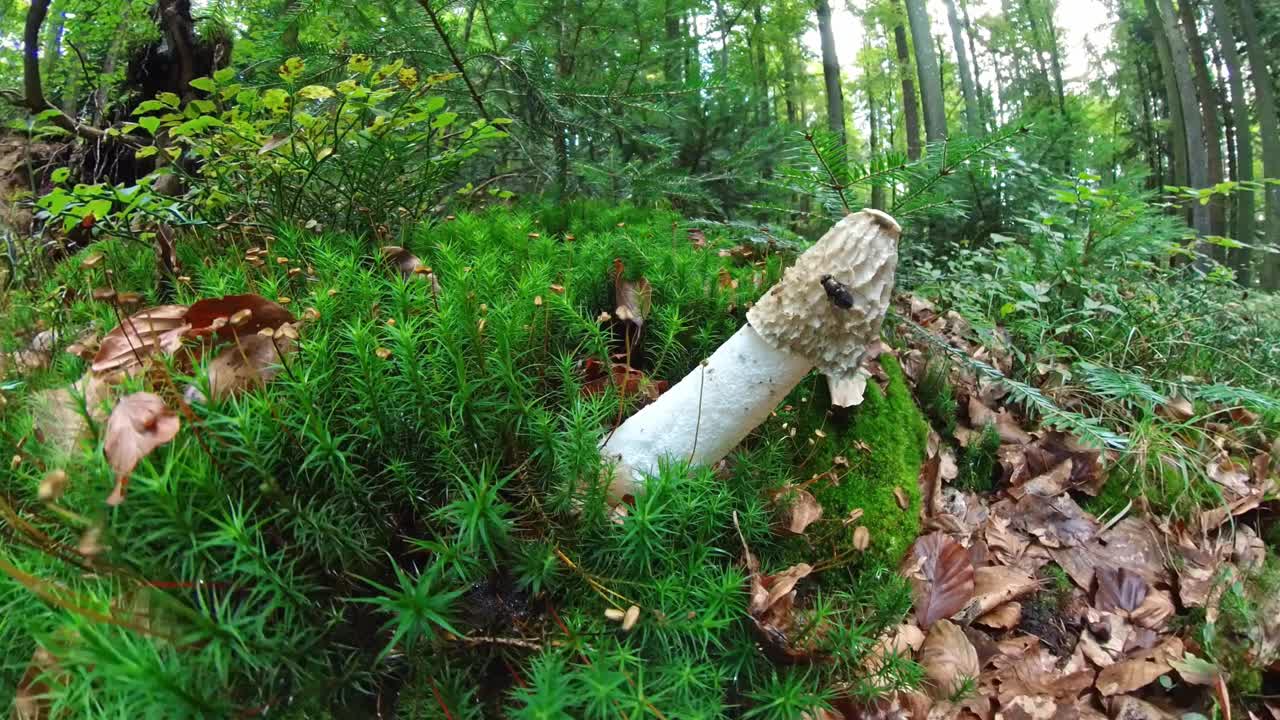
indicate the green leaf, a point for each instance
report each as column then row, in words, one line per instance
column 444, row 120
column 98, row 208
column 169, row 99
column 146, row 151
column 150, row 123
column 204, row 84
column 315, row 92
column 224, row 75
column 60, row 175
column 147, row 106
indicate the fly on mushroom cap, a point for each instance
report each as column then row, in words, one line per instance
column 829, row 305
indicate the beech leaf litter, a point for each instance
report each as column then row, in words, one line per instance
column 1027, row 605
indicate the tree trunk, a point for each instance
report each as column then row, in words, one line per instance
column 1266, row 106
column 973, row 60
column 1244, row 200
column 1177, row 135
column 1055, row 57
column 760, row 59
column 789, row 83
column 910, row 106
column 1037, row 43
column 831, row 71
column 1209, row 122
column 1197, row 155
column 873, row 138
column 935, row 114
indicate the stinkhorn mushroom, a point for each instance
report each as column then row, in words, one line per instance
column 825, row 312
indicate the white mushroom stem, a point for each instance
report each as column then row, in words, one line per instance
column 798, row 324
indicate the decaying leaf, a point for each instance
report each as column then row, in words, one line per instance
column 1010, row 429
column 59, row 416
column 243, row 365
column 1119, row 589
column 1057, row 522
column 633, row 298
column 1196, row 670
column 1004, row 617
column 235, row 315
column 948, row 659
column 139, row 424
column 996, row 585
column 800, row 509
column 941, row 577
column 156, row 329
column 1229, row 474
column 1139, row 670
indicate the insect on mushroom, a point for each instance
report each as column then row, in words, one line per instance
column 826, row 311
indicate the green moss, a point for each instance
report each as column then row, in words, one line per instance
column 883, row 442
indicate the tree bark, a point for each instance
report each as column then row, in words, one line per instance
column 789, row 83
column 1270, row 124
column 972, row 114
column 1177, row 135
column 935, row 115
column 1055, row 58
column 1197, row 155
column 760, row 59
column 831, row 71
column 1244, row 200
column 910, row 105
column 1209, row 121
column 973, row 60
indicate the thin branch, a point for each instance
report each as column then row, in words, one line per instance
column 34, row 97
column 453, row 56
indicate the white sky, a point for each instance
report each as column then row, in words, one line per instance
column 1078, row 20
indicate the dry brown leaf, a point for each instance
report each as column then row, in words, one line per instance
column 1229, row 474
column 1011, row 433
column 1133, row 543
column 801, row 509
column 57, row 416
column 1057, row 523
column 1004, row 617
column 861, row 538
column 1119, row 589
column 633, row 298
column 1140, row 670
column 156, row 329
column 1127, row 707
column 235, row 315
column 948, row 659
column 1051, row 484
column 1177, row 409
column 941, row 577
column 249, row 363
column 1036, row 707
column 996, row 585
column 1155, row 611
column 139, row 424
column 406, row 262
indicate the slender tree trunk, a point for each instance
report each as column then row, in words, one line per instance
column 935, row 114
column 1177, row 133
column 1148, row 127
column 1244, row 200
column 972, row 114
column 1055, row 57
column 831, row 71
column 789, row 83
column 760, row 58
column 1270, row 124
column 910, row 106
column 873, row 138
column 1197, row 154
column 1037, row 43
column 1209, row 122
column 973, row 59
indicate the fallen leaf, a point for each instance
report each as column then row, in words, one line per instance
column 1010, row 430
column 800, row 509
column 1004, row 617
column 633, row 298
column 861, row 538
column 139, row 424
column 249, row 363
column 1119, row 589
column 996, row 585
column 900, row 496
column 1140, row 670
column 1035, row 707
column 941, row 577
column 1051, row 484
column 1057, row 522
column 1154, row 612
column 156, row 329
column 1126, row 707
column 57, row 414
column 1177, row 409
column 1230, row 475
column 948, row 659
column 227, row 317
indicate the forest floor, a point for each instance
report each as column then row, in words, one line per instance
column 1054, row 575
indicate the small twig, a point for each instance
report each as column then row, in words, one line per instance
column 511, row 642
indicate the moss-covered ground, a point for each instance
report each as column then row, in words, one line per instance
column 410, row 512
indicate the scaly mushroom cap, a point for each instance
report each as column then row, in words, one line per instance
column 828, row 307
